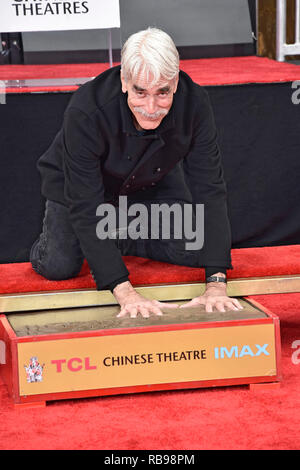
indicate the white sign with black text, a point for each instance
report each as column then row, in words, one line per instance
column 58, row 15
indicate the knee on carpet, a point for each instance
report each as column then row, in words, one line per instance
column 57, row 272
column 54, row 266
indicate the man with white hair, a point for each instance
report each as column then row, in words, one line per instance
column 145, row 131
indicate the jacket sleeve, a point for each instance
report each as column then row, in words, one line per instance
column 204, row 173
column 84, row 192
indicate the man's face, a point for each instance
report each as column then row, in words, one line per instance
column 149, row 104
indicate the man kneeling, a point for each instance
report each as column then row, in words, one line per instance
column 143, row 131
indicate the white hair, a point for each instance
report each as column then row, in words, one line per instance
column 151, row 53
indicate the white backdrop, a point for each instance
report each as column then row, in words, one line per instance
column 58, row 15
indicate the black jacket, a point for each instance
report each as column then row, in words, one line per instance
column 98, row 155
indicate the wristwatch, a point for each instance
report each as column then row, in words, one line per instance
column 216, row 279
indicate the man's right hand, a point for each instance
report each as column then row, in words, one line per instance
column 133, row 303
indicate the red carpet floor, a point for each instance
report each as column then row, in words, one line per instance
column 220, row 418
column 247, row 262
column 218, row 71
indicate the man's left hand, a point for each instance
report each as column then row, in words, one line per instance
column 215, row 296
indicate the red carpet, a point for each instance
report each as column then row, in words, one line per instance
column 218, row 71
column 221, row 418
column 247, row 262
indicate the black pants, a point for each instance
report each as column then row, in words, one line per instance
column 57, row 255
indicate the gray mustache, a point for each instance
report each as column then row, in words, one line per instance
column 161, row 112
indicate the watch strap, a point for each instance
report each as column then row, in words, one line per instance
column 216, row 279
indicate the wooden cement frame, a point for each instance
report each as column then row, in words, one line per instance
column 46, row 300
column 10, row 371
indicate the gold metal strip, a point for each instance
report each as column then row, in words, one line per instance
column 167, row 292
